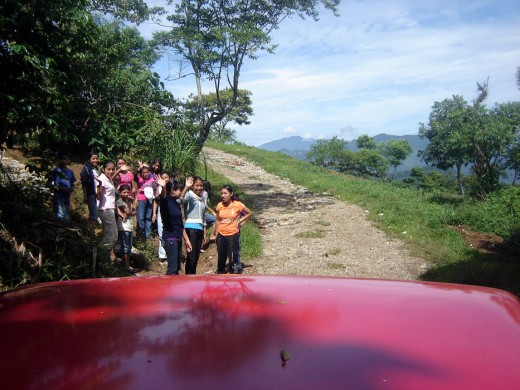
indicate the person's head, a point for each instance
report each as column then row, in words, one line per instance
column 207, row 187
column 125, row 191
column 109, row 167
column 145, row 172
column 165, row 176
column 63, row 159
column 93, row 158
column 198, row 185
column 156, row 166
column 227, row 194
column 174, row 188
column 120, row 162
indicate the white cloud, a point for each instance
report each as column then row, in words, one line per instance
column 379, row 67
column 289, row 130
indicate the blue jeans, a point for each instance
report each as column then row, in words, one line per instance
column 92, row 207
column 62, row 210
column 126, row 241
column 144, row 218
column 210, row 220
column 173, row 250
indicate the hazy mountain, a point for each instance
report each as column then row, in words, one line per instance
column 289, row 144
column 298, row 147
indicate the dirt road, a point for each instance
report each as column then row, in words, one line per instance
column 313, row 234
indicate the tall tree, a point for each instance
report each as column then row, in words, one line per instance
column 327, row 153
column 446, row 129
column 366, row 142
column 121, row 95
column 38, row 43
column 216, row 37
column 239, row 114
column 395, row 151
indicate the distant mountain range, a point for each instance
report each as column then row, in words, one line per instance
column 298, row 147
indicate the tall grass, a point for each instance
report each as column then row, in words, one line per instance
column 420, row 219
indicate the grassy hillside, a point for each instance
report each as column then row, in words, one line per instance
column 422, row 220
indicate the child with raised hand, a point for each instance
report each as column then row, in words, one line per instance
column 195, row 225
column 227, row 229
column 125, row 224
column 173, row 226
column 124, row 172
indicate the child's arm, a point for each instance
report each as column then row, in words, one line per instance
column 154, row 210
column 187, row 241
column 247, row 214
column 100, row 189
column 187, row 186
column 215, row 229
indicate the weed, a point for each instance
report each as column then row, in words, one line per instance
column 332, row 252
column 322, row 222
column 310, row 234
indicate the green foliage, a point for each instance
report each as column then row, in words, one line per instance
column 366, row 142
column 327, row 153
column 395, row 151
column 136, row 11
column 172, row 144
column 461, row 134
column 40, row 46
column 239, row 111
column 497, row 214
column 122, row 95
column 74, row 81
column 331, row 154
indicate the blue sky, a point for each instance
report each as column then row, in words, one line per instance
column 378, row 68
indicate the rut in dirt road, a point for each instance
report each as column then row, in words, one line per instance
column 313, row 234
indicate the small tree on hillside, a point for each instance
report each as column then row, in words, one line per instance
column 327, row 153
column 395, row 151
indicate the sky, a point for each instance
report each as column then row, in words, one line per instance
column 377, row 68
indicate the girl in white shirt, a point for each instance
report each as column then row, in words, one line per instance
column 106, row 195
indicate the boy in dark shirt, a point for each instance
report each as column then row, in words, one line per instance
column 62, row 180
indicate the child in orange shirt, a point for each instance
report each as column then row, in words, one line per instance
column 231, row 216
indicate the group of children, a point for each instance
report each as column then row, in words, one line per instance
column 115, row 195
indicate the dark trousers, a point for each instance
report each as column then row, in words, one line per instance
column 173, row 249
column 228, row 248
column 196, row 237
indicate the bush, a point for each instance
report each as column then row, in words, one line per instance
column 498, row 214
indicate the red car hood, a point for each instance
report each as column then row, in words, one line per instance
column 261, row 332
